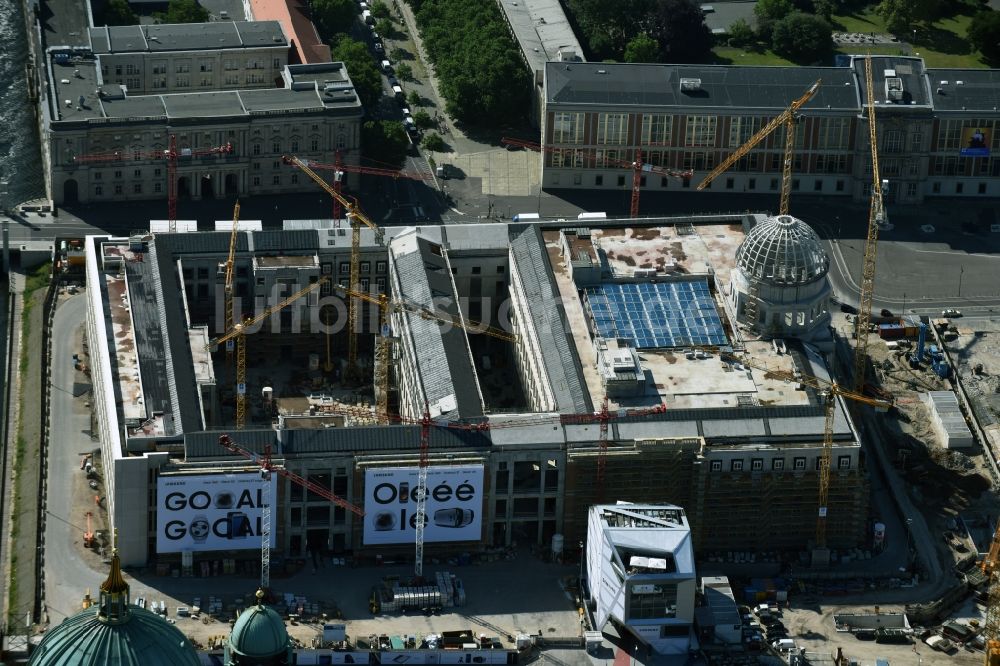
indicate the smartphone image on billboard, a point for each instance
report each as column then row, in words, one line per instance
column 454, row 517
column 239, row 525
column 404, row 492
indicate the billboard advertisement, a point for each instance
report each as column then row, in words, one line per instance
column 454, row 504
column 975, row 142
column 210, row 512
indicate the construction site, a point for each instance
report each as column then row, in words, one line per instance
column 339, row 394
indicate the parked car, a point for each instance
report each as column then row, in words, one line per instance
column 386, row 67
column 379, row 49
column 849, row 309
column 393, row 82
column 951, row 312
column 886, row 312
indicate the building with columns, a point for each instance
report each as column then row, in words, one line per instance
column 110, row 109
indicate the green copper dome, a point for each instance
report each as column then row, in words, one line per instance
column 259, row 637
column 115, row 632
column 85, row 639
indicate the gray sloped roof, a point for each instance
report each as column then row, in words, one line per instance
column 559, row 355
column 444, row 360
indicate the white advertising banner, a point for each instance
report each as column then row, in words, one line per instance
column 454, row 504
column 210, row 512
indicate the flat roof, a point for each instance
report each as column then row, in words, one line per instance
column 542, row 30
column 64, row 22
column 965, row 89
column 304, row 92
column 908, row 69
column 187, row 37
column 720, row 86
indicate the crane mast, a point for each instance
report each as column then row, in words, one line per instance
column 228, row 284
column 786, row 119
column 864, row 317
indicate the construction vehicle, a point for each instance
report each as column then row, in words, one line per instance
column 238, row 333
column 171, row 154
column 266, row 466
column 357, row 219
column 786, row 119
column 876, row 212
column 829, row 391
column 638, row 167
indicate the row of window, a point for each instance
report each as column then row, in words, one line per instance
column 118, row 189
column 777, row 464
column 96, row 143
column 345, row 267
column 699, row 131
column 730, row 184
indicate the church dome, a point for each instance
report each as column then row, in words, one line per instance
column 115, row 632
column 783, row 251
column 259, row 633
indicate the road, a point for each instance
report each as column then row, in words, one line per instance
column 67, row 576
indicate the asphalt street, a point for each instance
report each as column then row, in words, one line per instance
column 67, row 576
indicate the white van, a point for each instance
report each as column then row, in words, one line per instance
column 386, row 67
column 592, row 216
column 525, row 217
column 367, row 17
column 784, row 645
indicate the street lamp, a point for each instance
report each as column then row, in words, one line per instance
column 909, row 521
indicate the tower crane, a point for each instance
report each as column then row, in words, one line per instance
column 638, row 167
column 339, row 168
column 875, row 214
column 991, row 628
column 786, row 118
column 238, row 333
column 266, row 465
column 829, row 391
column 387, row 306
column 170, row 155
column 357, row 219
column 228, row 284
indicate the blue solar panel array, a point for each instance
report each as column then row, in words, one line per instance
column 657, row 314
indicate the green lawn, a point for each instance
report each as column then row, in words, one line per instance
column 729, row 55
column 943, row 44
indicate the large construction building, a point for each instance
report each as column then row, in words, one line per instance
column 937, row 127
column 231, row 93
column 639, row 317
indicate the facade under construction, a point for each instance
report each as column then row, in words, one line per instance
column 560, row 368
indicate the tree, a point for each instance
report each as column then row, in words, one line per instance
column 414, row 98
column 423, row 120
column 433, row 142
column 380, row 10
column 367, row 81
column 404, row 71
column 679, row 27
column 741, row 35
column 385, row 141
column 802, row 38
column 607, row 27
column 825, row 9
column 333, row 16
column 769, row 12
column 384, row 27
column 184, row 11
column 118, row 12
column 642, row 48
column 899, row 15
column 984, row 34
column 399, row 55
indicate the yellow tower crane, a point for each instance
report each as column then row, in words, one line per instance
column 829, row 391
column 357, row 218
column 238, row 333
column 786, row 118
column 876, row 213
column 228, row 284
column 387, row 306
column 991, row 628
